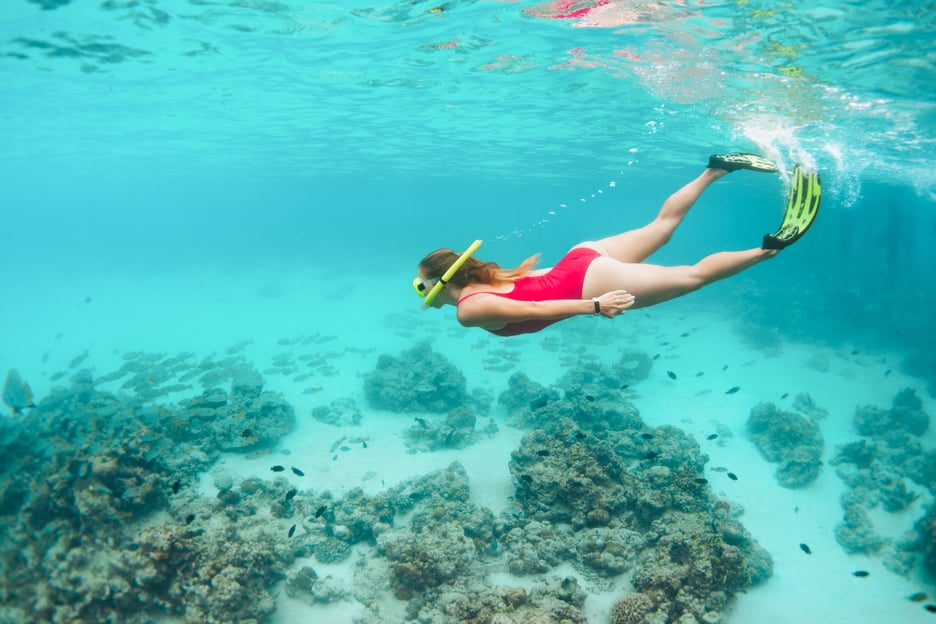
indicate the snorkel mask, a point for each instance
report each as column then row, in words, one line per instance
column 428, row 289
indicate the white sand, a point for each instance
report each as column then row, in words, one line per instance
column 208, row 313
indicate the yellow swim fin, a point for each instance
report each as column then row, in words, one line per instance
column 805, row 196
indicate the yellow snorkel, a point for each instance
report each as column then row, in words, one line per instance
column 429, row 294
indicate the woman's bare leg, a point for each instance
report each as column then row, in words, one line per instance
column 637, row 245
column 652, row 283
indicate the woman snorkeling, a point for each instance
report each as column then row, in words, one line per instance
column 605, row 276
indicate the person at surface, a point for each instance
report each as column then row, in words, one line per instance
column 607, row 276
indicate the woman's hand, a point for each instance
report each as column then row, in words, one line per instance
column 615, row 302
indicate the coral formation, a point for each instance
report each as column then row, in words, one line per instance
column 880, row 470
column 789, row 439
column 419, row 380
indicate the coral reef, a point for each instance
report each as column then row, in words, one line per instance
column 789, row 439
column 880, row 470
column 84, row 477
column 339, row 413
column 906, row 414
column 419, row 380
column 457, row 430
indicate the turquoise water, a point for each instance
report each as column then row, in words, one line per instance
column 199, row 147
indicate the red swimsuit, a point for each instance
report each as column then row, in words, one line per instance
column 563, row 281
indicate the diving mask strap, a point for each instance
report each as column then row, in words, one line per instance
column 437, row 288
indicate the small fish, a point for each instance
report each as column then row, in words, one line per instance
column 887, row 372
column 806, row 549
column 338, row 442
column 297, row 472
column 861, row 573
column 589, row 397
column 246, row 433
column 344, row 448
column 671, row 374
column 277, row 468
column 930, row 607
column 732, row 476
column 711, row 436
column 421, row 421
column 16, row 392
column 292, row 531
column 651, row 455
column 784, row 395
column 718, row 469
column 732, row 389
column 364, row 443
column 700, row 373
column 189, row 518
column 176, row 485
column 580, row 436
column 917, row 597
column 625, row 386
column 701, row 480
column 684, row 335
column 320, row 511
column 656, row 357
column 291, row 494
column 646, row 436
column 543, row 452
column 854, row 352
column 724, row 368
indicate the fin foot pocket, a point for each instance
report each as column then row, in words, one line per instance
column 739, row 160
column 801, row 211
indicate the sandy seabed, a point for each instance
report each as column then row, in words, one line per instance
column 107, row 317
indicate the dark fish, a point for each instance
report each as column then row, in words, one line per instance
column 189, row 518
column 665, row 343
column 784, row 395
column 656, row 357
column 246, row 433
column 732, row 476
column 175, row 486
column 580, row 436
column 589, row 397
column 543, row 452
column 671, row 374
column 861, row 573
column 297, row 472
column 625, row 386
column 724, row 368
column 422, row 422
column 732, row 389
column 277, row 468
column 651, row 455
column 887, row 372
column 805, row 549
column 699, row 374
column 646, row 436
column 320, row 511
column 854, row 352
column 701, row 480
column 711, row 436
column 930, row 607
column 364, row 443
column 291, row 494
column 684, row 335
column 917, row 597
column 540, row 404
column 292, row 531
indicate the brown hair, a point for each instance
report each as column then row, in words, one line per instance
column 474, row 271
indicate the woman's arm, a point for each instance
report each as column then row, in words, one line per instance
column 493, row 312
